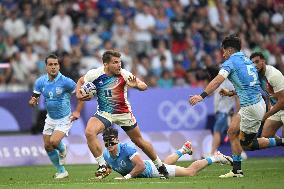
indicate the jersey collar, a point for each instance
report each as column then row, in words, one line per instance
column 56, row 78
column 238, row 54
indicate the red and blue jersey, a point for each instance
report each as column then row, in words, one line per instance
column 111, row 90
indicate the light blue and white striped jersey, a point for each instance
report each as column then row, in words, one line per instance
column 122, row 163
column 56, row 94
column 241, row 71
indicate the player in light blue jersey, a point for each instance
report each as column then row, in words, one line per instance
column 243, row 74
column 56, row 90
column 124, row 159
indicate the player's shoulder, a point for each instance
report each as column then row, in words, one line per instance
column 127, row 146
column 272, row 72
column 41, row 79
column 65, row 78
column 98, row 70
column 93, row 74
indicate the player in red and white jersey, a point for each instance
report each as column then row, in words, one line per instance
column 111, row 82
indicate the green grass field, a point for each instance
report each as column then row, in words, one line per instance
column 259, row 173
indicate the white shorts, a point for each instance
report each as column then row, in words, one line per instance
column 63, row 124
column 125, row 119
column 278, row 116
column 251, row 117
column 170, row 168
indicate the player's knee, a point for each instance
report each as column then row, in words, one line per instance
column 233, row 133
column 54, row 142
column 48, row 147
column 90, row 133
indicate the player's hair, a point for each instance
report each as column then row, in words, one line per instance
column 109, row 54
column 110, row 133
column 255, row 54
column 232, row 41
column 53, row 56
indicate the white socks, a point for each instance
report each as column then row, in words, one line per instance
column 158, row 163
column 101, row 160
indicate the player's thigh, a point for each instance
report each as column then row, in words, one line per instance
column 251, row 117
column 270, row 128
column 135, row 134
column 94, row 126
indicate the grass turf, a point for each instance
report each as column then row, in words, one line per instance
column 259, row 173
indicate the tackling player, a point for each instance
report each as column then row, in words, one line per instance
column 111, row 83
column 242, row 73
column 124, row 159
column 273, row 81
column 56, row 90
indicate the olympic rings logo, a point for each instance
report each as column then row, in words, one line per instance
column 181, row 114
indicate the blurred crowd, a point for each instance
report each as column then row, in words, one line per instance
column 164, row 42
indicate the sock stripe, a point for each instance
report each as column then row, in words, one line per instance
column 237, row 157
column 272, row 142
column 209, row 160
column 179, row 153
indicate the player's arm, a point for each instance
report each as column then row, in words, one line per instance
column 135, row 82
column 277, row 107
column 76, row 114
column 139, row 166
column 79, row 94
column 211, row 87
column 34, row 99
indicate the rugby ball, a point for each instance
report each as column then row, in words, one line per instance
column 88, row 88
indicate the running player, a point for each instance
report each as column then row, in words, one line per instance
column 124, row 159
column 56, row 90
column 111, row 83
column 242, row 73
column 274, row 85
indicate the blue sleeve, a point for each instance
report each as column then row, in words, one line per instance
column 130, row 150
column 70, row 85
column 228, row 66
column 38, row 86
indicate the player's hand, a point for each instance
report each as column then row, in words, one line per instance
column 195, row 99
column 225, row 92
column 75, row 115
column 33, row 101
column 132, row 82
column 82, row 97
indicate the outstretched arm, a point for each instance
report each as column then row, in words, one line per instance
column 138, row 168
column 211, row 87
column 76, row 114
column 134, row 82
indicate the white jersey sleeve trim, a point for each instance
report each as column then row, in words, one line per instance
column 223, row 73
column 36, row 92
column 133, row 155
